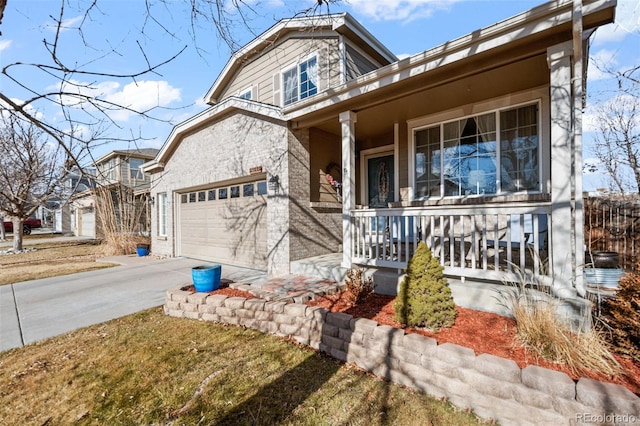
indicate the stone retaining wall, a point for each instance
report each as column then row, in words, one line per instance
column 493, row 387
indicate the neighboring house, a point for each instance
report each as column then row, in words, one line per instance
column 470, row 146
column 115, row 172
column 57, row 211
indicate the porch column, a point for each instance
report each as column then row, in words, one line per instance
column 562, row 170
column 348, row 121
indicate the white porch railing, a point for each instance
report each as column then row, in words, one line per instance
column 479, row 241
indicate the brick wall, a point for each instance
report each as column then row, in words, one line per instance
column 312, row 232
column 493, row 387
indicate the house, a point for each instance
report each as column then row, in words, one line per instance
column 118, row 173
column 56, row 212
column 318, row 140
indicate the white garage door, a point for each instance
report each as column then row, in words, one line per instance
column 87, row 226
column 225, row 224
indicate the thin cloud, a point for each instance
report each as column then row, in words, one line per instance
column 5, row 44
column 139, row 96
column 67, row 24
column 399, row 10
column 603, row 59
column 4, row 108
column 627, row 24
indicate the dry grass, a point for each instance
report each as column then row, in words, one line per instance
column 357, row 285
column 148, row 368
column 542, row 332
column 120, row 213
column 50, row 260
column 546, row 334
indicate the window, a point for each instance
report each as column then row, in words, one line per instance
column 134, row 168
column 107, row 171
column 300, row 81
column 247, row 190
column 262, row 188
column 235, row 191
column 192, row 197
column 489, row 153
column 202, row 196
column 222, row 193
column 183, row 198
column 162, row 214
column 212, row 194
column 245, row 94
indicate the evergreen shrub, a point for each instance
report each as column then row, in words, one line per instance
column 424, row 299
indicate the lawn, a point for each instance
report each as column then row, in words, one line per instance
column 50, row 260
column 149, row 368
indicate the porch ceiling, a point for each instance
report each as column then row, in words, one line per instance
column 434, row 93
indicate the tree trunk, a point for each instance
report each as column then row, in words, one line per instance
column 3, row 235
column 17, row 233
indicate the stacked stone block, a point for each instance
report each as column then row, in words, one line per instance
column 490, row 386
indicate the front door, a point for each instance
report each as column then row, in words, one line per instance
column 379, row 179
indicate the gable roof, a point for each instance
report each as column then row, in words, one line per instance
column 209, row 115
column 142, row 153
column 342, row 23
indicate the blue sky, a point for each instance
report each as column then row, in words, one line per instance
column 113, row 42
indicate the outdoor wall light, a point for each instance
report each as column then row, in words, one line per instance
column 274, row 182
column 152, row 200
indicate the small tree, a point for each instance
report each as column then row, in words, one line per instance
column 424, row 299
column 31, row 170
column 121, row 217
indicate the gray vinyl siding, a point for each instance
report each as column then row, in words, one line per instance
column 260, row 71
column 357, row 64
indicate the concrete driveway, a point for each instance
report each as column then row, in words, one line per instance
column 35, row 310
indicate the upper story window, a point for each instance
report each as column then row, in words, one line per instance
column 107, row 171
column 135, row 165
column 245, row 94
column 300, row 81
column 492, row 153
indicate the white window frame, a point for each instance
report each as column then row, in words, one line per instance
column 140, row 173
column 242, row 94
column 536, row 96
column 296, row 67
column 163, row 210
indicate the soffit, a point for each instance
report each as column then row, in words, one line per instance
column 523, row 36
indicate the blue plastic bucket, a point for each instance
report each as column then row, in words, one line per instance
column 206, row 278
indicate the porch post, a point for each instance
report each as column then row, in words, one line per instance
column 563, row 168
column 348, row 121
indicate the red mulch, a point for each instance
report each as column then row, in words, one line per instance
column 224, row 290
column 483, row 332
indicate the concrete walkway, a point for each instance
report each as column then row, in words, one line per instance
column 35, row 310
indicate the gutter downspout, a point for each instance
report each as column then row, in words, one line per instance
column 576, row 147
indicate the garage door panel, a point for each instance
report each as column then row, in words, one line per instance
column 228, row 231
